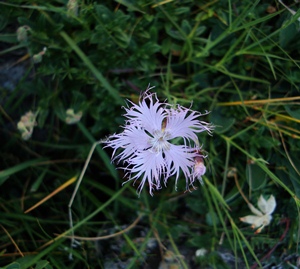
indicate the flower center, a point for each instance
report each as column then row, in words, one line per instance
column 159, row 141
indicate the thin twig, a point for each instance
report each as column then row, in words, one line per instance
column 76, row 189
column 12, row 240
column 62, row 187
column 253, row 102
column 234, row 175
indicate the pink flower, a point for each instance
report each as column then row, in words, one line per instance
column 158, row 141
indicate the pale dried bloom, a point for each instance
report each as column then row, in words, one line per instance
column 158, row 141
column 22, row 33
column 26, row 125
column 72, row 8
column 201, row 252
column 263, row 216
column 72, row 117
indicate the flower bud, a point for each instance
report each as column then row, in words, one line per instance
column 72, row 7
column 37, row 58
column 199, row 168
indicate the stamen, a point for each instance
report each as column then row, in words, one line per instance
column 159, row 141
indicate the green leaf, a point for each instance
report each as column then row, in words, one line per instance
column 256, row 177
column 122, row 38
column 295, row 113
column 222, row 123
column 287, row 35
column 92, row 68
column 186, row 27
column 36, row 184
column 4, row 175
column 130, row 5
column 3, row 22
column 234, row 192
column 166, row 46
column 13, row 265
column 201, row 241
column 200, row 30
column 43, row 114
column 42, row 264
column 8, row 38
column 211, row 218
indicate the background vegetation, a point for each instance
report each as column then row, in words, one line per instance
column 237, row 59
